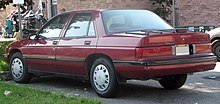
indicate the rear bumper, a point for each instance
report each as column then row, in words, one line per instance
column 167, row 62
column 155, row 68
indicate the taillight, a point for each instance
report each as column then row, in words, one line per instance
column 203, row 48
column 154, row 51
column 172, row 50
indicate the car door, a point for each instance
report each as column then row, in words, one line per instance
column 41, row 51
column 78, row 42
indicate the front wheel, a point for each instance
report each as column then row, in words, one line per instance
column 18, row 69
column 103, row 78
column 173, row 81
column 216, row 48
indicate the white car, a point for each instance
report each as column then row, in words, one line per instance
column 215, row 39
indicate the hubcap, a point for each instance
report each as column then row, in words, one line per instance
column 17, row 68
column 101, row 77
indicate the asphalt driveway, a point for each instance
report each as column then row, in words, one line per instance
column 200, row 88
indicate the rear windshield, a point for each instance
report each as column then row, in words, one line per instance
column 120, row 21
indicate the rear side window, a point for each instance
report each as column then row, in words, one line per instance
column 81, row 26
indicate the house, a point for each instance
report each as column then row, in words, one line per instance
column 188, row 12
column 198, row 12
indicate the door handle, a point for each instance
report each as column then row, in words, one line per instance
column 55, row 42
column 87, row 42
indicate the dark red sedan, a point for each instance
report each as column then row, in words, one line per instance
column 108, row 47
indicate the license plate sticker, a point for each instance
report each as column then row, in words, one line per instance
column 182, row 49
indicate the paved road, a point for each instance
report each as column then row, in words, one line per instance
column 200, row 88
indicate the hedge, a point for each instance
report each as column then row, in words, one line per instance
column 3, row 64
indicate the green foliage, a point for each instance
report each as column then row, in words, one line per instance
column 3, row 45
column 163, row 8
column 3, row 3
column 3, row 65
column 23, row 95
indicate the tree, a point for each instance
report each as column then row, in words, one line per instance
column 163, row 8
column 4, row 3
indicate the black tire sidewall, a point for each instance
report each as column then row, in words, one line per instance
column 178, row 82
column 25, row 77
column 110, row 91
column 215, row 45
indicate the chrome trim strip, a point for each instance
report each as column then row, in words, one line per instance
column 194, row 48
column 51, row 58
column 38, row 58
column 70, row 59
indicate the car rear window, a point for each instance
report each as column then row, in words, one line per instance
column 118, row 21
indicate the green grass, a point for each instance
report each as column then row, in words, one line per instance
column 24, row 95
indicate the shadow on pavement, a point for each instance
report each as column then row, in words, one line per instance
column 200, row 88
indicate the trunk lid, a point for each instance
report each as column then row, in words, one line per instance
column 175, row 39
column 173, row 44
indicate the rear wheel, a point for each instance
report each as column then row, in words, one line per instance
column 173, row 81
column 103, row 78
column 18, row 69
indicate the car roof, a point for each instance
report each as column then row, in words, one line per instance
column 101, row 10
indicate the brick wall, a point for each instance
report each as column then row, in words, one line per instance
column 102, row 4
column 191, row 12
column 198, row 12
column 86, row 4
column 137, row 4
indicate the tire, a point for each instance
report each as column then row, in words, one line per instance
column 216, row 48
column 103, row 78
column 173, row 82
column 18, row 69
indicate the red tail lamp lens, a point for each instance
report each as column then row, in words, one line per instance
column 154, row 51
column 203, row 48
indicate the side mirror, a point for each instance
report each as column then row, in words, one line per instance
column 33, row 36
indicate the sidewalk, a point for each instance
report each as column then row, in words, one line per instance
column 7, row 39
column 217, row 67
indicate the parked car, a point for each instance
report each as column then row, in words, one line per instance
column 215, row 40
column 108, row 47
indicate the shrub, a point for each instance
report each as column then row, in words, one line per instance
column 3, row 64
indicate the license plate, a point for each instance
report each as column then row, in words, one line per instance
column 182, row 49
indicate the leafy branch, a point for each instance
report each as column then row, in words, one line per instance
column 4, row 3
column 163, row 8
